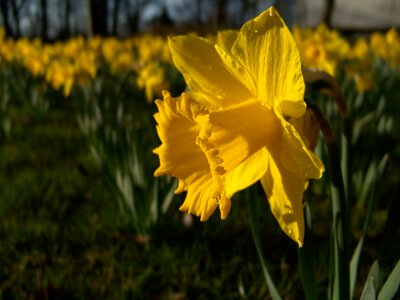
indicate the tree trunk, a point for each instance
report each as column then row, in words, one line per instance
column 67, row 15
column 132, row 15
column 199, row 12
column 15, row 13
column 97, row 17
column 328, row 12
column 43, row 6
column 4, row 12
column 221, row 13
column 114, row 30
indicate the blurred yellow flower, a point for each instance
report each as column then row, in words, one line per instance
column 60, row 74
column 122, row 61
column 360, row 50
column 387, row 46
column 359, row 65
column 109, row 48
column 151, row 47
column 235, row 127
column 151, row 78
column 6, row 51
column 321, row 48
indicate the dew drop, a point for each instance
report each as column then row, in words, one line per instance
column 290, row 232
column 255, row 31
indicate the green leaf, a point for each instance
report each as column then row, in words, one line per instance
column 371, row 286
column 306, row 258
column 154, row 202
column 354, row 265
column 374, row 183
column 169, row 195
column 368, row 181
column 391, row 285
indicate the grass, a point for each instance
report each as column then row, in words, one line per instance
column 63, row 236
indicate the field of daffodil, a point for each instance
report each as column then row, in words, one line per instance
column 94, row 169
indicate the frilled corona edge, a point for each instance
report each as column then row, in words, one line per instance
column 186, row 153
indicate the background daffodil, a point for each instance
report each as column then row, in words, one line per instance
column 234, row 126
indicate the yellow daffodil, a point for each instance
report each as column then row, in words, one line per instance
column 152, row 80
column 6, row 51
column 235, row 127
column 60, row 74
column 321, row 48
column 359, row 65
column 122, row 62
column 387, row 46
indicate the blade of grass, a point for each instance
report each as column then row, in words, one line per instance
column 354, row 264
column 371, row 286
column 169, row 195
column 391, row 285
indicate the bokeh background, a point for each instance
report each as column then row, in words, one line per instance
column 53, row 19
column 81, row 215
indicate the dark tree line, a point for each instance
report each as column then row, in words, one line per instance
column 10, row 10
column 63, row 18
column 96, row 21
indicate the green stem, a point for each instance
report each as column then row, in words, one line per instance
column 255, row 230
column 340, row 227
column 346, row 159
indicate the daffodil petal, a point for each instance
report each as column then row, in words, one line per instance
column 265, row 47
column 242, row 130
column 247, row 173
column 204, row 72
column 308, row 127
column 225, row 40
column 199, row 200
column 295, row 155
column 290, row 165
column 284, row 190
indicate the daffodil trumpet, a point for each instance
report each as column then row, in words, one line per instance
column 239, row 122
